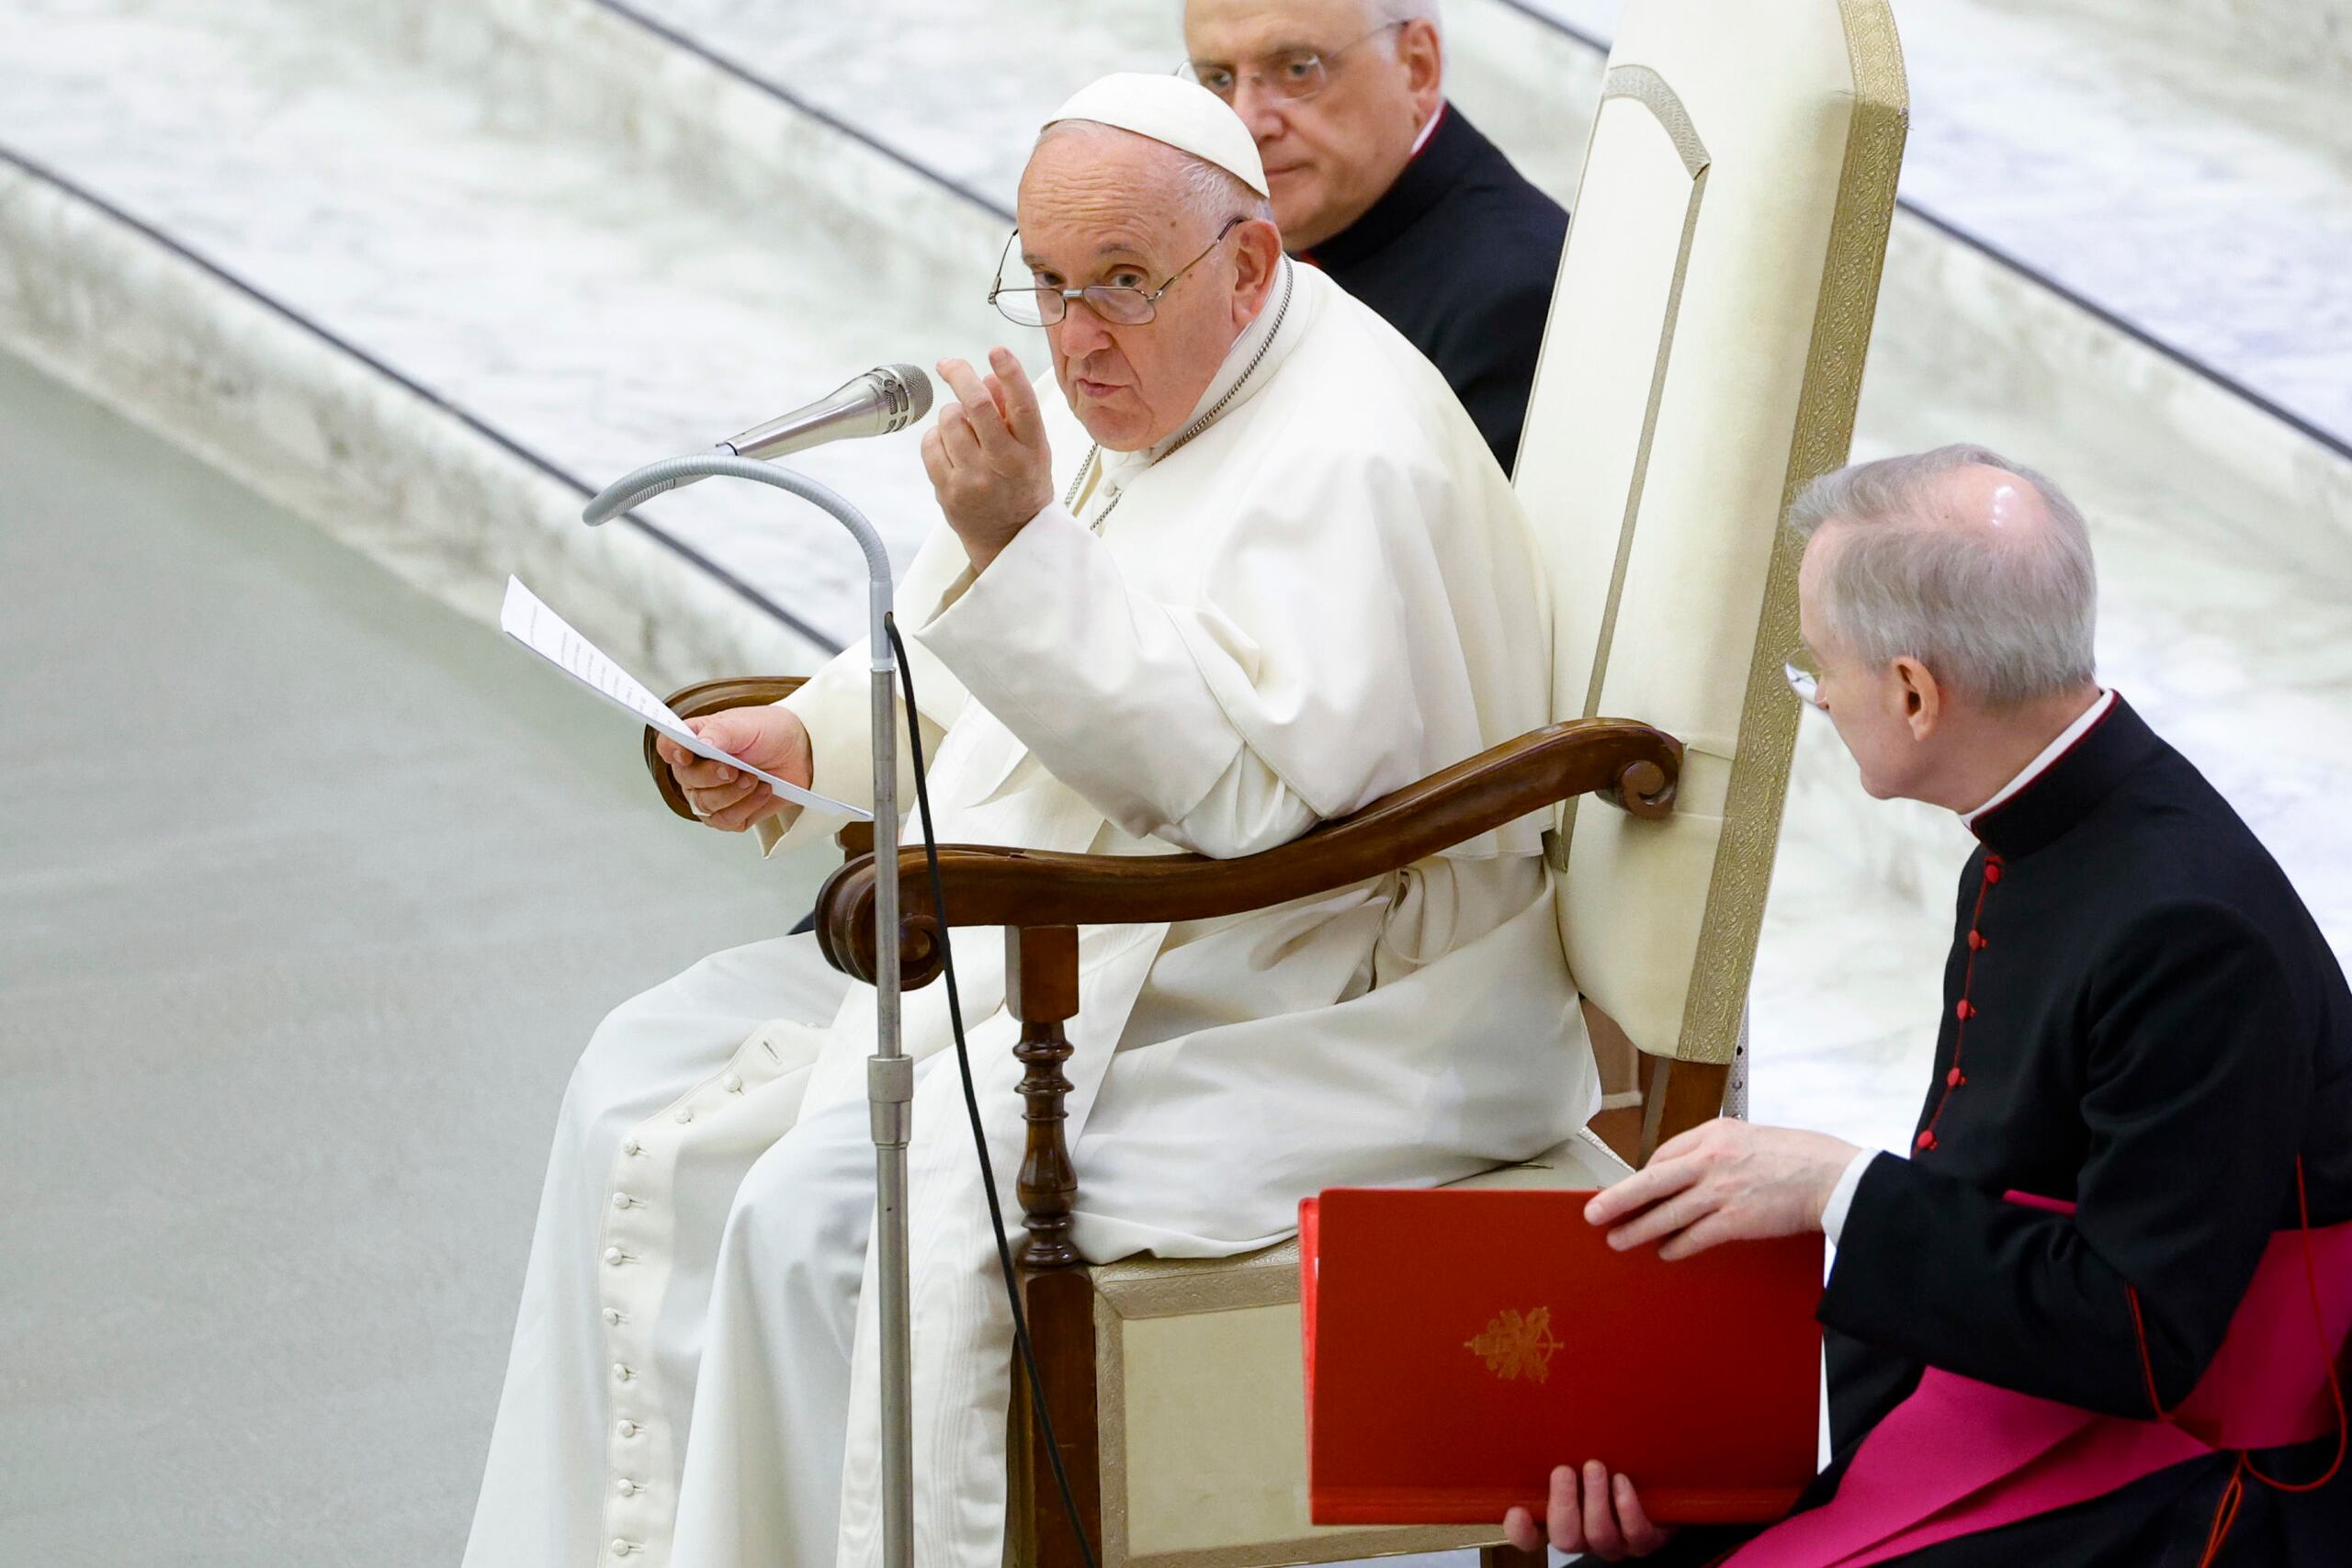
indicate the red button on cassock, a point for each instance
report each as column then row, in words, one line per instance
column 1966, row 1011
column 1954, row 1078
column 1977, row 943
column 1926, row 1141
column 1991, row 871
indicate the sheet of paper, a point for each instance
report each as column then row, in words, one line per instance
column 529, row 622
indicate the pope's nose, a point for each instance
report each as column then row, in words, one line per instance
column 1082, row 332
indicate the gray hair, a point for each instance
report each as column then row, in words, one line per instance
column 2006, row 621
column 1208, row 191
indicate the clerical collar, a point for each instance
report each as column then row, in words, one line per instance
column 2049, row 754
column 1449, row 145
column 2073, row 774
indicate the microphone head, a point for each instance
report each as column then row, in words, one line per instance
column 910, row 393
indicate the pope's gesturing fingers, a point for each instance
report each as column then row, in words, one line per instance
column 1011, row 387
column 987, row 456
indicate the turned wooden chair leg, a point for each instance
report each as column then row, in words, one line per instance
column 1041, row 985
column 1041, row 969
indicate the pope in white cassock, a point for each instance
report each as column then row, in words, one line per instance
column 1254, row 569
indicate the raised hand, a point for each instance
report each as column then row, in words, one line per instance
column 1725, row 1182
column 725, row 797
column 1591, row 1512
column 987, row 455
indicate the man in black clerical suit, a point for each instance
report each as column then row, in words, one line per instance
column 2144, row 1074
column 1384, row 184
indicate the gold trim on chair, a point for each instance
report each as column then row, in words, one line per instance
column 1820, row 441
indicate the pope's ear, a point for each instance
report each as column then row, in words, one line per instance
column 1257, row 255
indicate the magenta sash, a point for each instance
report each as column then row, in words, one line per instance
column 1960, row 1456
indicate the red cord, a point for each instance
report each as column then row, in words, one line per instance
column 2319, row 1327
column 2225, row 1513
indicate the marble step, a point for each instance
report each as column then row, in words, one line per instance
column 2280, row 38
column 547, row 230
column 2187, row 167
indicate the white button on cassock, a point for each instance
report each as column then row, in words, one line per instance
column 626, row 1487
column 621, row 1548
column 734, row 1082
column 612, row 1316
column 613, row 1255
column 685, row 1114
column 621, row 1374
column 629, row 1429
column 632, row 1149
column 622, row 1201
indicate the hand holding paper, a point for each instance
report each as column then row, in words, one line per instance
column 545, row 633
column 725, row 796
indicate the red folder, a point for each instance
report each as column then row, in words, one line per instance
column 1461, row 1344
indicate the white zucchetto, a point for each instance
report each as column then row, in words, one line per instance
column 1184, row 114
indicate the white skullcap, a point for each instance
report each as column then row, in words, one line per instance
column 1184, row 114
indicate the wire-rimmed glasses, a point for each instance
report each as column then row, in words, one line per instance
column 1035, row 304
column 1291, row 73
column 1804, row 680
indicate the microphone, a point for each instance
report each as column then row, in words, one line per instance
column 886, row 399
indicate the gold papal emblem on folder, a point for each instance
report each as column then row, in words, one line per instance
column 1517, row 1344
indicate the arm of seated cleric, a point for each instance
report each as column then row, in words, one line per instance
column 1108, row 688
column 2196, row 1064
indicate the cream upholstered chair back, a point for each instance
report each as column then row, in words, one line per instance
column 1701, row 362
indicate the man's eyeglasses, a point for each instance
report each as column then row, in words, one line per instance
column 1806, row 683
column 1037, row 305
column 1291, row 73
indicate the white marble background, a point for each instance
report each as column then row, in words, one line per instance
column 2201, row 191
column 2184, row 173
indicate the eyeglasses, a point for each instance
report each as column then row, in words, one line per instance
column 1805, row 682
column 1036, row 305
column 1291, row 73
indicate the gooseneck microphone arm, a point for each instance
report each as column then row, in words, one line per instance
column 890, row 1075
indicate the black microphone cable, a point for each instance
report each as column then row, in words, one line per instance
column 972, row 1098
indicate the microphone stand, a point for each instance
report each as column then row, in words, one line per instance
column 890, row 1076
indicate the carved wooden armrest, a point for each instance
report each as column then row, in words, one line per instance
column 1043, row 898
column 703, row 698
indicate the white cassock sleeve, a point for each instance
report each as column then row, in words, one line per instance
column 1104, row 687
column 837, row 706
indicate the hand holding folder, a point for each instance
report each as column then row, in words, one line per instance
column 1462, row 1344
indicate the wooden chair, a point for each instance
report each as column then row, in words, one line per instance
column 1703, row 360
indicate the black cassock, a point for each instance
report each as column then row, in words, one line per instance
column 1460, row 255
column 2140, row 1018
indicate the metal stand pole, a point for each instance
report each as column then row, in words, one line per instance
column 890, row 1088
column 890, row 1076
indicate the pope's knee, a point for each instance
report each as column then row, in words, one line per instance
column 615, row 1084
column 804, row 1205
